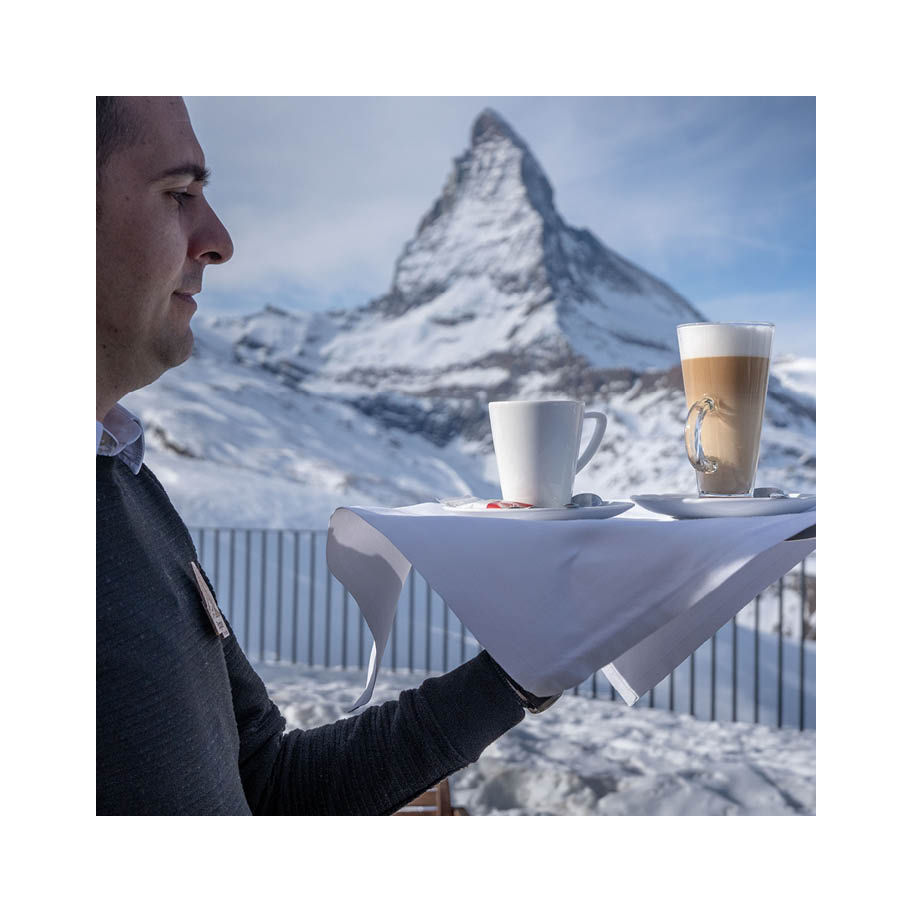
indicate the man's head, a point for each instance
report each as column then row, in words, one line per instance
column 113, row 129
column 155, row 233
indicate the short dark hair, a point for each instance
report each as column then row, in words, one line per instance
column 113, row 128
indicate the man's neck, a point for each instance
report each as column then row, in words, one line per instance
column 112, row 382
column 106, row 397
column 110, row 385
column 103, row 404
column 107, row 391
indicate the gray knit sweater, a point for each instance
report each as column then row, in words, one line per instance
column 184, row 724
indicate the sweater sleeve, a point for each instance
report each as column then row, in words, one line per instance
column 374, row 762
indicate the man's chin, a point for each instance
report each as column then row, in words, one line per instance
column 186, row 349
column 177, row 350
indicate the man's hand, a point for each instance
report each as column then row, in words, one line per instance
column 528, row 700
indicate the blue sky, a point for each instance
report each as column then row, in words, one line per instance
column 716, row 196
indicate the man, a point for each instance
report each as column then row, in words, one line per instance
column 184, row 724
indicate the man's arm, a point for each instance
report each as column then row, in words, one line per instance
column 377, row 761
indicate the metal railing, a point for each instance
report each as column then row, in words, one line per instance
column 279, row 596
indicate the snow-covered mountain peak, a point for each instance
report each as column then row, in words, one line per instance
column 487, row 224
column 497, row 150
column 494, row 256
column 490, row 125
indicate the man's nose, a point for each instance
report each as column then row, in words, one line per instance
column 211, row 242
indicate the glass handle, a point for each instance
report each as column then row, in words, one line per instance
column 692, row 428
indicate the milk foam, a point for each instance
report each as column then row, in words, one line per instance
column 715, row 340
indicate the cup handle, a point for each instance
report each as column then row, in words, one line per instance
column 600, row 427
column 692, row 428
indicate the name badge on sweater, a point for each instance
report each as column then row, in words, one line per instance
column 212, row 609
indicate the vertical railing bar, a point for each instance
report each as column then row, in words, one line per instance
column 734, row 622
column 576, row 690
column 412, row 619
column 231, row 577
column 671, row 690
column 247, row 592
column 446, row 635
column 344, row 627
column 652, row 697
column 801, row 649
column 461, row 642
column 394, row 634
column 712, row 679
column 295, row 602
column 262, row 594
column 693, row 678
column 202, row 547
column 313, row 594
column 362, row 626
column 411, row 616
column 757, row 659
column 594, row 693
column 328, row 624
column 215, row 563
column 779, row 654
column 427, row 629
column 280, row 544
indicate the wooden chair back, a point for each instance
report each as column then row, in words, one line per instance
column 435, row 802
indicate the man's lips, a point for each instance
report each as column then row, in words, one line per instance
column 186, row 297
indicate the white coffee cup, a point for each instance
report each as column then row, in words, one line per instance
column 536, row 446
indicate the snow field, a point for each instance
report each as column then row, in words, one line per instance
column 595, row 757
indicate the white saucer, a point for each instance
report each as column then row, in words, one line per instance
column 690, row 506
column 604, row 511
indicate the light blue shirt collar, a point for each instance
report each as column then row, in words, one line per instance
column 121, row 435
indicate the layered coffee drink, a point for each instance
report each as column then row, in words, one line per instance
column 726, row 372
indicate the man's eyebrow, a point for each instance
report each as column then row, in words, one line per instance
column 197, row 172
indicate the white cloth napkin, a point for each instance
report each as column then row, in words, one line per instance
column 553, row 602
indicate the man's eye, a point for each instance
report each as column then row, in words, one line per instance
column 180, row 196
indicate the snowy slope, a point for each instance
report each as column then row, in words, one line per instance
column 797, row 375
column 236, row 444
column 595, row 757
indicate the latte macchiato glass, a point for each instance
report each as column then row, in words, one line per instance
column 726, row 373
